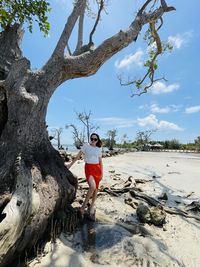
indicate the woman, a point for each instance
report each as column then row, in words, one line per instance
column 93, row 170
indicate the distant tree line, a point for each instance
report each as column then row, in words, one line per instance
column 143, row 140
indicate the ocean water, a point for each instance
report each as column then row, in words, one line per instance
column 72, row 149
column 69, row 148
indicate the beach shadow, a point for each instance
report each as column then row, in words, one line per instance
column 62, row 256
column 96, row 238
column 163, row 249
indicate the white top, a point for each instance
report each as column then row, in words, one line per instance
column 91, row 153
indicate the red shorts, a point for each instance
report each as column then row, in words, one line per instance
column 93, row 170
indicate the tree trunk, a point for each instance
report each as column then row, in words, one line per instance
column 34, row 183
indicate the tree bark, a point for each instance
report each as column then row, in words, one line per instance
column 34, row 183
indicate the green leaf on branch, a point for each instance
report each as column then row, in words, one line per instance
column 21, row 11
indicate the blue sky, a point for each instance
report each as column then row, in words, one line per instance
column 172, row 107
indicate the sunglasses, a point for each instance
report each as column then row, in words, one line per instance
column 93, row 139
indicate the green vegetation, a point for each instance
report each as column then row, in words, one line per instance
column 143, row 142
column 20, row 11
column 197, row 143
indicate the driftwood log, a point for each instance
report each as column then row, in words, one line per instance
column 137, row 194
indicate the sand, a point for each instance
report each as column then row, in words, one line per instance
column 107, row 243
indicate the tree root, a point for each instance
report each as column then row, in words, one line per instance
column 39, row 191
column 17, row 211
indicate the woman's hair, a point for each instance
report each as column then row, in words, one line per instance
column 99, row 143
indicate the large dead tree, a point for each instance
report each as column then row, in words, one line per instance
column 34, row 183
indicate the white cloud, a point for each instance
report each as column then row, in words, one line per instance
column 156, row 109
column 68, row 100
column 162, row 88
column 180, row 40
column 152, row 121
column 129, row 60
column 192, row 109
column 176, row 41
column 166, row 125
column 117, row 122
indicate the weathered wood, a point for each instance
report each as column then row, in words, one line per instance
column 135, row 192
column 117, row 192
column 142, row 181
column 31, row 170
column 155, row 202
column 81, row 180
column 194, row 206
column 152, row 201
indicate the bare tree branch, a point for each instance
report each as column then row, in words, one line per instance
column 85, row 119
column 151, row 69
column 80, row 29
column 69, row 26
column 79, row 137
column 56, row 135
column 101, row 6
column 69, row 50
column 148, row 86
column 163, row 3
column 152, row 62
column 161, row 23
column 89, row 59
column 89, row 62
column 143, row 7
column 82, row 49
column 131, row 82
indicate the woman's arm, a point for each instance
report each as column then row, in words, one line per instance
column 74, row 159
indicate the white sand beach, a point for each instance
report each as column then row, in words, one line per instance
column 108, row 243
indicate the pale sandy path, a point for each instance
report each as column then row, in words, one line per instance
column 178, row 170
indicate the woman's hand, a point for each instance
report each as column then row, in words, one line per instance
column 68, row 165
column 74, row 160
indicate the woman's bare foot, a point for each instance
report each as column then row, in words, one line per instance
column 92, row 213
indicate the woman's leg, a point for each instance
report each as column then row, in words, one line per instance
column 90, row 192
column 94, row 197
